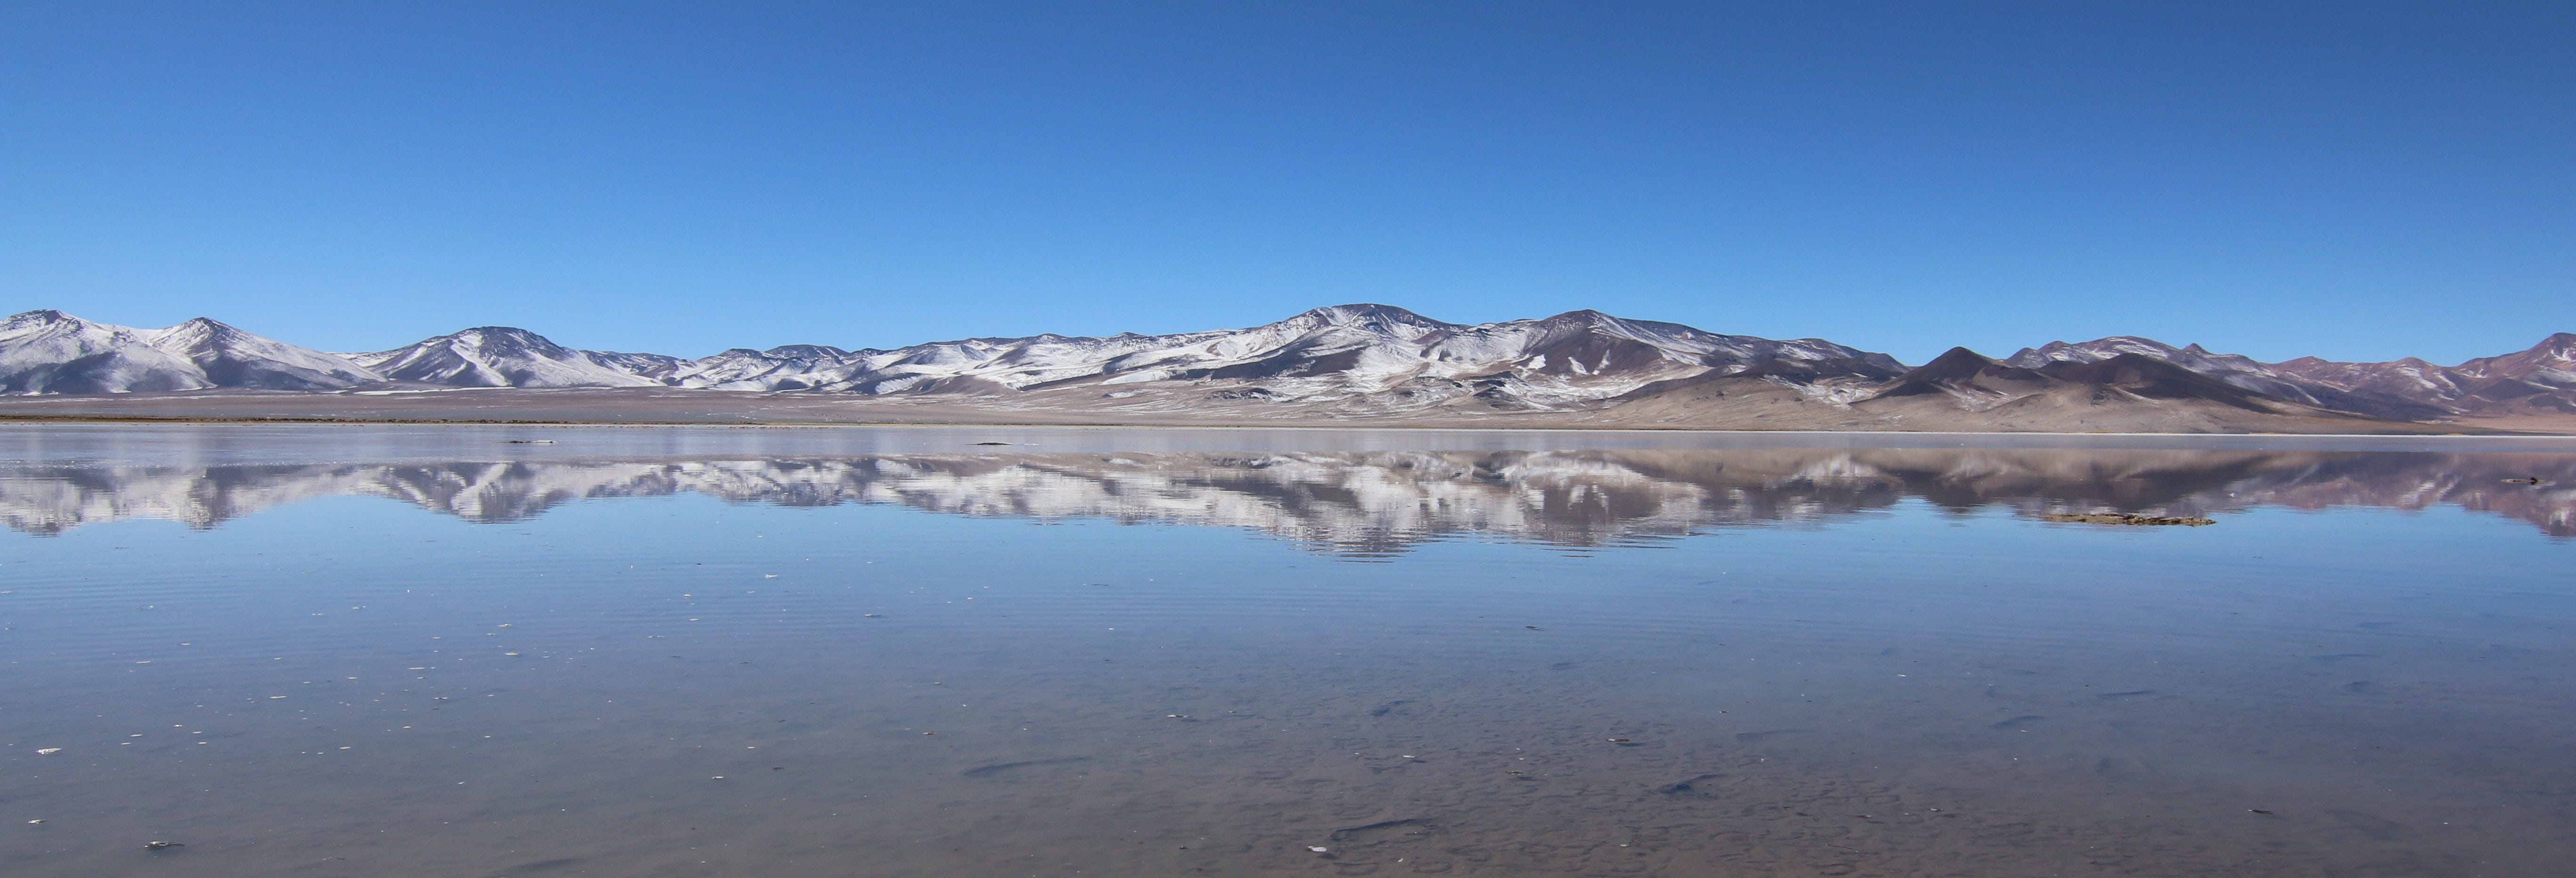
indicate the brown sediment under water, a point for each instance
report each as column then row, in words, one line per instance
column 532, row 651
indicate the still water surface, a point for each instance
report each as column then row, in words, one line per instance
column 451, row 651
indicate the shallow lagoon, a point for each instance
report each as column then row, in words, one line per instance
column 452, row 651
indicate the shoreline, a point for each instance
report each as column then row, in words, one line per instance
column 571, row 407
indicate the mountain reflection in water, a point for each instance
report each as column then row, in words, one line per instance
column 1361, row 504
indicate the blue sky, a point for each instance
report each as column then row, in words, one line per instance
column 2352, row 180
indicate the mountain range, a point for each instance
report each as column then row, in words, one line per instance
column 1338, row 364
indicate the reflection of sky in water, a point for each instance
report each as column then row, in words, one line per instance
column 2385, row 677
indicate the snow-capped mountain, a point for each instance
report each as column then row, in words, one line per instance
column 2235, row 369
column 787, row 367
column 1377, row 353
column 53, row 352
column 229, row 357
column 2539, row 380
column 2552, row 361
column 1327, row 353
column 2547, row 388
column 1345, row 361
column 501, row 356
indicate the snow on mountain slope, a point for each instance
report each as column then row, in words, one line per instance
column 229, row 357
column 1349, row 360
column 54, row 352
column 2235, row 369
column 2408, row 389
column 501, row 356
column 1338, row 352
column 2552, row 362
column 2539, row 379
column 787, row 367
column 657, row 367
column 2408, row 383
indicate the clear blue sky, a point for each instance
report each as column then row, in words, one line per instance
column 2349, row 179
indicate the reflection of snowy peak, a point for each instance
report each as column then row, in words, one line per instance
column 1357, row 503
